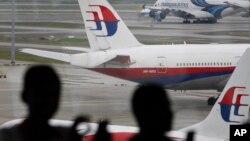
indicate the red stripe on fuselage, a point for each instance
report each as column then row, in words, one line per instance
column 122, row 136
column 134, row 73
column 119, row 136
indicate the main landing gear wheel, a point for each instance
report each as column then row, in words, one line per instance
column 186, row 22
column 211, row 101
column 197, row 21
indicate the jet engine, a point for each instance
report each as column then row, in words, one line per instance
column 158, row 15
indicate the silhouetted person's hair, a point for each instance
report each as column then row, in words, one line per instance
column 41, row 92
column 152, row 110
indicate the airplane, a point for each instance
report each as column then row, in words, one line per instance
column 232, row 108
column 198, row 11
column 116, row 52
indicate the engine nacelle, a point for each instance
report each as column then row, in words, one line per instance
column 145, row 12
column 158, row 15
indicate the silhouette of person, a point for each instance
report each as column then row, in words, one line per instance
column 152, row 110
column 41, row 93
column 102, row 134
column 190, row 136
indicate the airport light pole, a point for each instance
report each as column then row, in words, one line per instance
column 13, row 49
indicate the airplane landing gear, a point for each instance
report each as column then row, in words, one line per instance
column 212, row 100
column 205, row 21
column 186, row 21
column 197, row 21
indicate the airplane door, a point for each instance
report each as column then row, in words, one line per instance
column 162, row 65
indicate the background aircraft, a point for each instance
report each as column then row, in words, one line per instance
column 232, row 108
column 116, row 52
column 199, row 11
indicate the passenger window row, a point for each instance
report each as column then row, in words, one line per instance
column 204, row 64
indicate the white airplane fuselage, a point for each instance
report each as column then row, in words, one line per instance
column 180, row 67
column 192, row 4
column 200, row 9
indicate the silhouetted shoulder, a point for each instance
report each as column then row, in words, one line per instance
column 10, row 134
column 13, row 133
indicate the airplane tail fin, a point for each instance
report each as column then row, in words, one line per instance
column 232, row 107
column 104, row 27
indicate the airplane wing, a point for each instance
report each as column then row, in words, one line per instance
column 48, row 54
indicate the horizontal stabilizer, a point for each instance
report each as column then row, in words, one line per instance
column 48, row 54
column 78, row 49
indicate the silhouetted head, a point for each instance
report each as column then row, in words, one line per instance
column 152, row 109
column 41, row 92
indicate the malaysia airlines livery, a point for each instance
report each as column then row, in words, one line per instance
column 199, row 11
column 232, row 108
column 116, row 52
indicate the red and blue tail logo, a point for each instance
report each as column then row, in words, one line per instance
column 111, row 22
column 227, row 103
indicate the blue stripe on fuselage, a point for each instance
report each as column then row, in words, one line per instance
column 168, row 80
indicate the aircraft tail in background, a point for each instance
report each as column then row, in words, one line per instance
column 104, row 27
column 232, row 107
